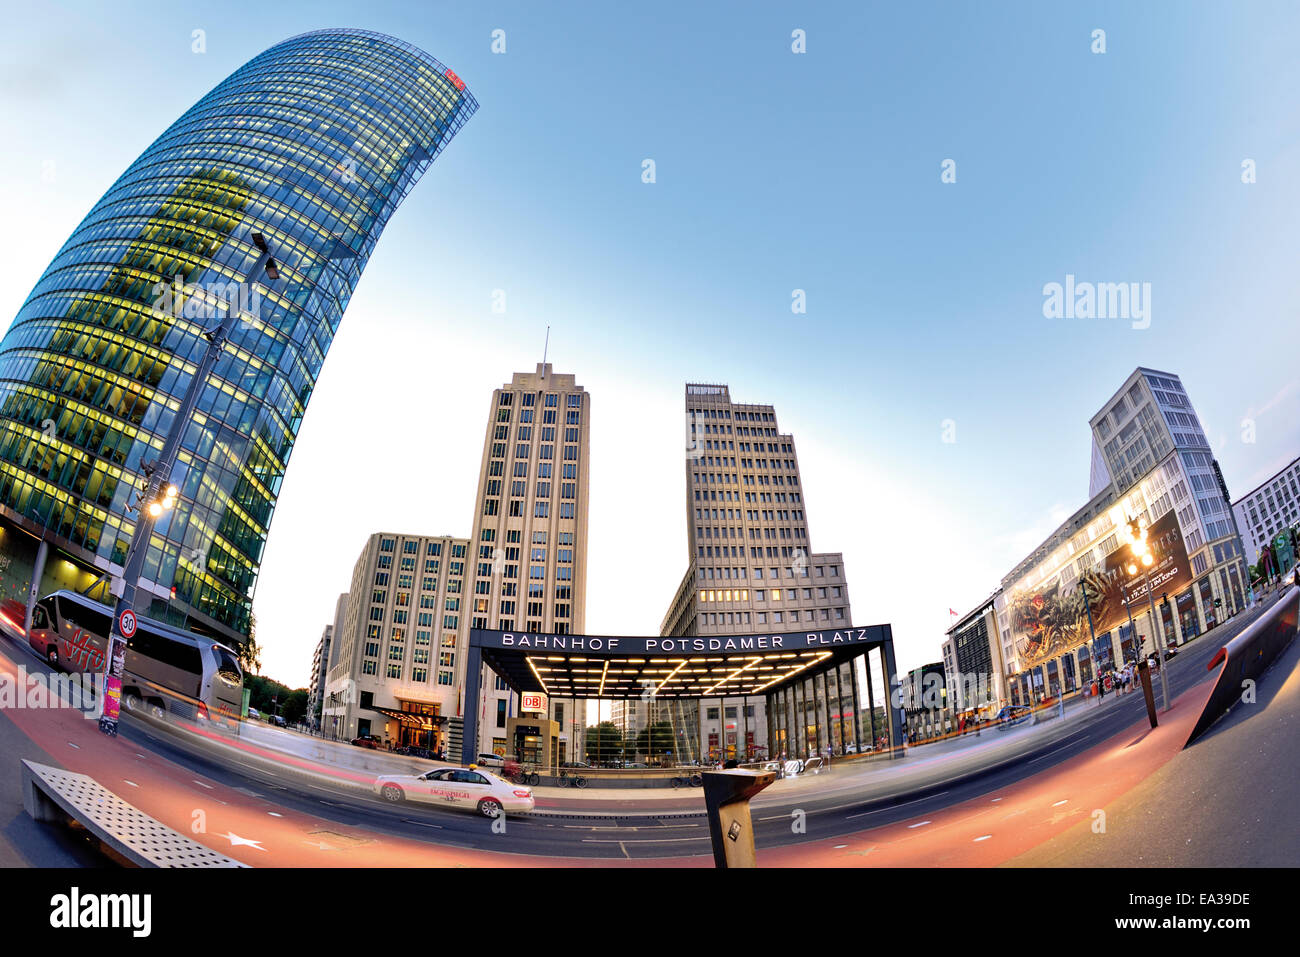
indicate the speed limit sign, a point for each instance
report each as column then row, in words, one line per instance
column 126, row 623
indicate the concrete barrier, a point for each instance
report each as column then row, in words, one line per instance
column 56, row 795
column 1246, row 657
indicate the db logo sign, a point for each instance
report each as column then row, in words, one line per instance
column 532, row 701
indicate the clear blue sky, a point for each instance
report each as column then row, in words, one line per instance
column 775, row 172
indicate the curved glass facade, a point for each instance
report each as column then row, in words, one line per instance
column 313, row 144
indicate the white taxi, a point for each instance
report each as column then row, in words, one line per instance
column 470, row 787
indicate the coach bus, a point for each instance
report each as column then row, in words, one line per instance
column 166, row 670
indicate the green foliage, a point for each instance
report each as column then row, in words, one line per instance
column 604, row 742
column 655, row 739
column 291, row 704
column 250, row 652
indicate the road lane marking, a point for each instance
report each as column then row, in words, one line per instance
column 984, row 838
column 892, row 806
column 664, row 840
column 202, row 785
column 71, row 745
column 920, row 824
column 132, row 783
column 1059, row 803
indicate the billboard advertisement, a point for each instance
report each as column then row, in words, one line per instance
column 1049, row 621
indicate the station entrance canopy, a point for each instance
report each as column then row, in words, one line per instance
column 690, row 666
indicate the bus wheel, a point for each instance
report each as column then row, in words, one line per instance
column 131, row 702
column 158, row 711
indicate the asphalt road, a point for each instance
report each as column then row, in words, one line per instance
column 848, row 800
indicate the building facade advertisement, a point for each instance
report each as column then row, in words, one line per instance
column 1051, row 620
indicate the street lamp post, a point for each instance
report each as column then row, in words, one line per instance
column 1142, row 552
column 159, row 496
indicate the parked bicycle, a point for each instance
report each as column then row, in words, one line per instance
column 574, row 780
column 526, row 776
column 688, row 780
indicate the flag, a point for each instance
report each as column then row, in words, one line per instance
column 953, row 613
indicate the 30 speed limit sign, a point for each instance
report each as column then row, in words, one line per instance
column 126, row 623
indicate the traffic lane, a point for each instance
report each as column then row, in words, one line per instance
column 993, row 827
column 1228, row 800
column 823, row 816
column 257, row 830
column 418, row 820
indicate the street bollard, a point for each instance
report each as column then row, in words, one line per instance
column 726, row 801
column 1144, row 672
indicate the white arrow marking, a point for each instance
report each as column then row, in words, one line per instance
column 237, row 841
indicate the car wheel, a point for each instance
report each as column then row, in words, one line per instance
column 489, row 807
column 391, row 792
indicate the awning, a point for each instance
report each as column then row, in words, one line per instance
column 410, row 719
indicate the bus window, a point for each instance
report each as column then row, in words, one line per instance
column 40, row 618
column 166, row 650
column 78, row 615
column 228, row 669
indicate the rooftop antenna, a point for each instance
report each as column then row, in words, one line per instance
column 545, row 349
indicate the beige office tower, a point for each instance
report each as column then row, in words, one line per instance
column 529, row 543
column 752, row 568
column 393, row 671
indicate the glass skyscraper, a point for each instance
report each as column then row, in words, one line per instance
column 312, row 144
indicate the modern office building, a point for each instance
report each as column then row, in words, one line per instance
column 1269, row 509
column 312, row 144
column 1080, row 604
column 925, row 702
column 529, row 541
column 321, row 662
column 750, row 562
column 978, row 666
column 395, row 654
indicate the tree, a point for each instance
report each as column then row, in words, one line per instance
column 604, row 742
column 654, row 740
column 250, row 653
column 293, row 707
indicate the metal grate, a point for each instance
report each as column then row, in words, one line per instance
column 124, row 827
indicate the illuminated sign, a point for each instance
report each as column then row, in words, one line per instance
column 689, row 645
column 456, row 81
column 532, row 701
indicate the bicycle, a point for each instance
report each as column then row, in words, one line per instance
column 526, row 776
column 692, row 780
column 574, row 780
